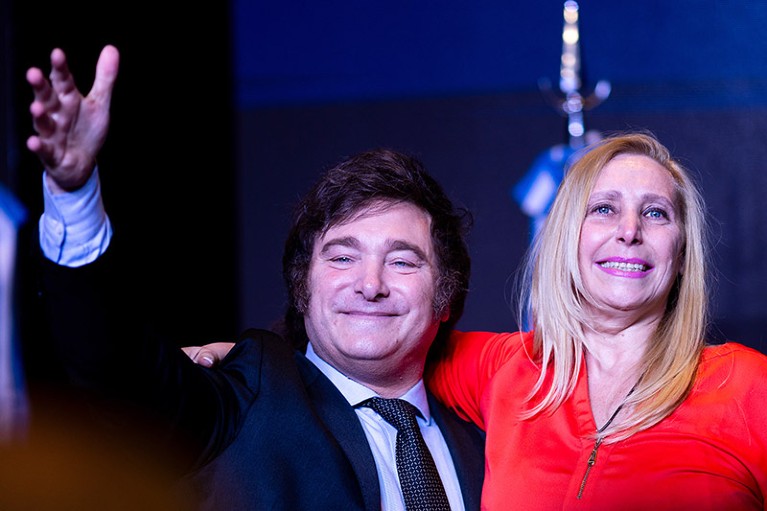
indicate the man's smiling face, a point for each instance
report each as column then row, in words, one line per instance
column 372, row 283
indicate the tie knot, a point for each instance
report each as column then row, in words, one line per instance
column 397, row 412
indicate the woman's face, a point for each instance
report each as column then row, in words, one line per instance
column 631, row 239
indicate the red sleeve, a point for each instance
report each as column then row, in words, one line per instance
column 742, row 372
column 461, row 376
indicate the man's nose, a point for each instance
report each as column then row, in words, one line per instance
column 371, row 281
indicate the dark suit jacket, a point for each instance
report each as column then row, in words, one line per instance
column 268, row 430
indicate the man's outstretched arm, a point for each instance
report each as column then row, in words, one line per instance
column 70, row 130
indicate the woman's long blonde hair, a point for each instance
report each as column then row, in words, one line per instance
column 555, row 295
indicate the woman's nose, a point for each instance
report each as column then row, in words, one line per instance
column 630, row 229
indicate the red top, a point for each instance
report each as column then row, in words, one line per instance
column 711, row 453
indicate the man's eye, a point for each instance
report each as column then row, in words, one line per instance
column 341, row 259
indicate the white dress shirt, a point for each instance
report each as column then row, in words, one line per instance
column 382, row 436
column 74, row 228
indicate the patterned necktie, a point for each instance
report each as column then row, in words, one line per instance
column 418, row 476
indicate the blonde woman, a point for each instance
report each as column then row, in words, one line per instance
column 614, row 401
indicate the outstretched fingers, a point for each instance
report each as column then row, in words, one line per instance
column 45, row 101
column 43, row 150
column 106, row 75
column 43, row 108
column 70, row 129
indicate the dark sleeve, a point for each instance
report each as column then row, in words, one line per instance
column 129, row 375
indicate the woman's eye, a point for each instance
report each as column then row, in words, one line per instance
column 656, row 213
column 602, row 209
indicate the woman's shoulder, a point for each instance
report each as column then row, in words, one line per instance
column 491, row 347
column 487, row 339
column 733, row 352
column 729, row 395
column 484, row 337
column 734, row 363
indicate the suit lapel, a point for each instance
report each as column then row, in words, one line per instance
column 344, row 425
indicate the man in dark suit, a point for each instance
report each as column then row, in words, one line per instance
column 377, row 269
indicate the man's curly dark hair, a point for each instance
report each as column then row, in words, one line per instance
column 355, row 184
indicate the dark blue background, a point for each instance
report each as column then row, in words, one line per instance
column 295, row 52
column 224, row 114
column 456, row 84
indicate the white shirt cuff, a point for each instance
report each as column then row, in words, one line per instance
column 74, row 227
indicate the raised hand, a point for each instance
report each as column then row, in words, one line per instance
column 71, row 128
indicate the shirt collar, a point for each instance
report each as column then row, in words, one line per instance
column 355, row 393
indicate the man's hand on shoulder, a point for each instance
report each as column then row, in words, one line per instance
column 210, row 354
